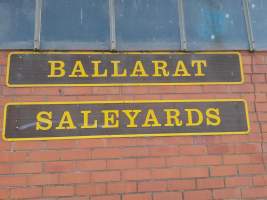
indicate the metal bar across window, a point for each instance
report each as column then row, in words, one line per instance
column 248, row 25
column 113, row 43
column 182, row 25
column 37, row 25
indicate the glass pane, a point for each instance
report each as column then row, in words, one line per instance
column 258, row 10
column 215, row 24
column 79, row 24
column 17, row 24
column 147, row 24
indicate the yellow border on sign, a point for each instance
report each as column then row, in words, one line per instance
column 122, row 84
column 127, row 135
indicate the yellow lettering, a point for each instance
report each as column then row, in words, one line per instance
column 160, row 65
column 86, row 120
column 56, row 69
column 199, row 64
column 196, row 121
column 131, row 114
column 151, row 119
column 111, row 118
column 44, row 118
column 66, row 122
column 139, row 70
column 181, row 70
column 96, row 69
column 116, row 69
column 213, row 117
column 78, row 70
column 172, row 116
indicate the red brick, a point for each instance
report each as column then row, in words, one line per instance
column 43, row 156
column 238, row 181
column 164, row 151
column 77, row 90
column 6, row 181
column 260, row 180
column 91, row 189
column 92, row 143
column 152, row 186
column 251, row 169
column 105, row 176
column 144, row 196
column 208, row 160
column 4, row 193
column 215, row 88
column 70, row 178
column 258, row 59
column 105, row 90
column 193, row 150
column 5, row 169
column 223, row 171
column 227, row 193
column 181, row 184
column 43, row 179
column 23, row 193
column 92, row 165
column 194, row 172
column 61, row 144
column 13, row 156
column 75, row 154
column 136, row 174
column 242, row 159
column 58, row 191
column 27, row 168
column 121, row 164
column 165, row 173
column 113, row 197
column 135, row 90
column 258, row 78
column 247, row 148
column 259, row 69
column 29, row 145
column 121, row 142
column 180, row 161
column 260, row 97
column 121, row 187
column 260, row 88
column 262, row 116
column 209, row 183
column 107, row 153
column 62, row 166
column 247, row 59
column 257, row 192
column 135, row 152
column 167, row 196
column 199, row 195
column 242, row 88
column 150, row 162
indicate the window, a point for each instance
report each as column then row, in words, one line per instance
column 133, row 24
column 215, row 24
column 79, row 24
column 147, row 24
column 17, row 24
column 258, row 10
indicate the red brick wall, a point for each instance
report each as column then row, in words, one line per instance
column 155, row 168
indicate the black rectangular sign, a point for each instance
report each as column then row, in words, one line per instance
column 28, row 69
column 104, row 119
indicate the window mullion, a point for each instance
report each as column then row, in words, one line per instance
column 37, row 25
column 248, row 25
column 113, row 42
column 182, row 25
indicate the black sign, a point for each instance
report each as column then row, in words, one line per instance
column 45, row 121
column 27, row 69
